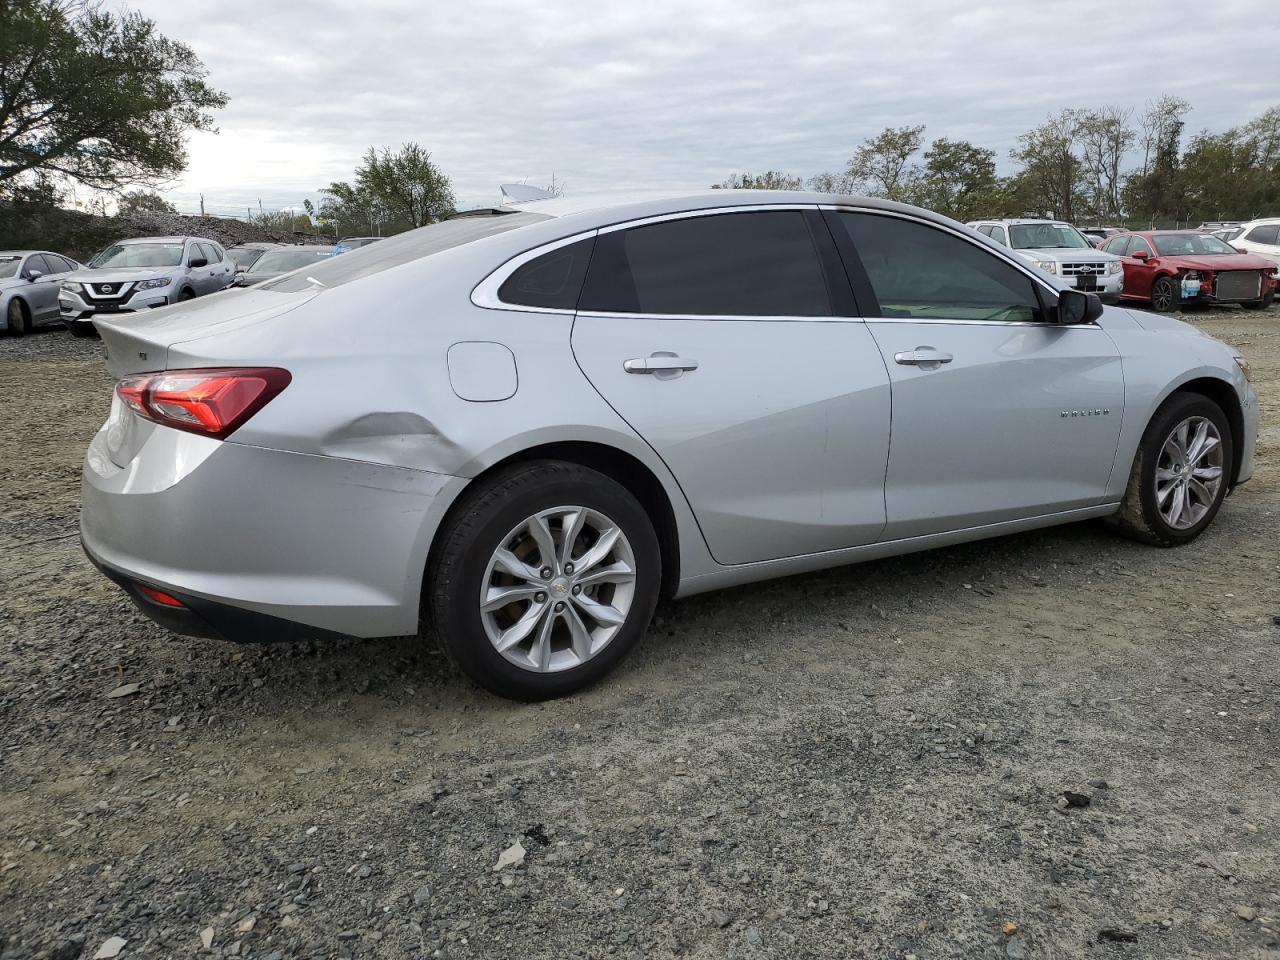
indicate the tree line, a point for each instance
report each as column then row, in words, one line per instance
column 1106, row 164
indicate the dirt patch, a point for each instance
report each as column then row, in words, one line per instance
column 867, row 761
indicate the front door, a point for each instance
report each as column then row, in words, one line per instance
column 997, row 414
column 715, row 338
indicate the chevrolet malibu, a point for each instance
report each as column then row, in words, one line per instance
column 563, row 410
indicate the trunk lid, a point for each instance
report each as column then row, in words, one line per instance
column 140, row 342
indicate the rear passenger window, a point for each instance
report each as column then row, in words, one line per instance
column 997, row 234
column 925, row 272
column 552, row 280
column 1264, row 234
column 758, row 264
column 985, row 229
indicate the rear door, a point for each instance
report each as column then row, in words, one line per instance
column 728, row 341
column 997, row 414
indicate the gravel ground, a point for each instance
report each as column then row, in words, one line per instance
column 1053, row 745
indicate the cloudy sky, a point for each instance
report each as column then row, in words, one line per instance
column 661, row 94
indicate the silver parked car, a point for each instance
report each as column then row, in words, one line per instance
column 29, row 282
column 133, row 275
column 556, row 416
column 275, row 262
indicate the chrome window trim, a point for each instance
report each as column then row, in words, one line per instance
column 970, row 238
column 485, row 293
column 749, row 317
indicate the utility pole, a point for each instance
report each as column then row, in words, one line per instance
column 202, row 204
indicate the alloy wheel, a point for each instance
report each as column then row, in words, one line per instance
column 1162, row 295
column 1189, row 472
column 557, row 589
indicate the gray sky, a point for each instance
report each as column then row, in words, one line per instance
column 663, row 94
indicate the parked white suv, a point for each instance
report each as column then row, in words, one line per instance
column 1261, row 237
column 1059, row 248
column 132, row 275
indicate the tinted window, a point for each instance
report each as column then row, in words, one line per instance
column 734, row 264
column 67, row 265
column 1264, row 234
column 38, row 262
column 551, row 280
column 1117, row 246
column 985, row 229
column 214, row 251
column 997, row 234
column 922, row 271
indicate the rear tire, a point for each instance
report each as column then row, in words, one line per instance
column 1167, row 468
column 18, row 319
column 1166, row 297
column 549, row 639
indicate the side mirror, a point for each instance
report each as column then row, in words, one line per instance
column 198, row 262
column 34, row 275
column 1139, row 254
column 1239, row 249
column 1076, row 307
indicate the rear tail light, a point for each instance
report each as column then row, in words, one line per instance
column 213, row 402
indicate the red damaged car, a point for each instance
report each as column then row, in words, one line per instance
column 1172, row 268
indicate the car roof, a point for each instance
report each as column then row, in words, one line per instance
column 158, row 240
column 601, row 209
column 257, row 245
column 21, row 253
column 1261, row 221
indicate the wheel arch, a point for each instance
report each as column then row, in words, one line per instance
column 617, row 464
column 22, row 304
column 1224, row 394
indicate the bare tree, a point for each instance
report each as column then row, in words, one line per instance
column 1163, row 119
column 1104, row 137
column 769, row 180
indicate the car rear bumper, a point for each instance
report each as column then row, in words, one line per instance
column 261, row 544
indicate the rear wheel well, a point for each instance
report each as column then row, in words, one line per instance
column 1225, row 396
column 621, row 467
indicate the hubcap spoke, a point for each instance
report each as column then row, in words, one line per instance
column 1200, row 491
column 579, row 635
column 572, row 528
column 541, row 652
column 599, row 550
column 601, row 613
column 521, row 629
column 1207, row 473
column 616, row 572
column 499, row 597
column 541, row 534
column 509, row 563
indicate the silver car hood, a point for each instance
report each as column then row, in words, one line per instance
column 120, row 274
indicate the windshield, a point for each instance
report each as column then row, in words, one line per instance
column 139, row 255
column 1046, row 236
column 244, row 257
column 9, row 267
column 1229, row 235
column 403, row 247
column 1190, row 245
column 282, row 261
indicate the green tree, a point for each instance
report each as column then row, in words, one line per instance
column 96, row 97
column 1049, row 179
column 958, row 180
column 143, row 201
column 770, row 180
column 881, row 167
column 1155, row 190
column 407, row 184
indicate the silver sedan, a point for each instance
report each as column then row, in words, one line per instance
column 29, row 284
column 562, row 410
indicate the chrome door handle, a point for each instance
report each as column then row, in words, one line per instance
column 658, row 363
column 922, row 357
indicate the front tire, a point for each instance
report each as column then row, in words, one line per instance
column 543, row 578
column 1262, row 304
column 17, row 318
column 1180, row 474
column 1166, row 297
